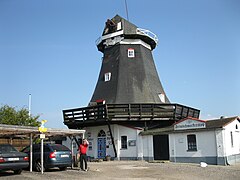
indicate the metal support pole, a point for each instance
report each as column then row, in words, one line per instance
column 29, row 105
column 72, row 151
column 42, row 155
column 126, row 9
column 31, row 152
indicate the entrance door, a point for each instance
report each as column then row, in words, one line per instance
column 101, row 144
column 101, row 147
column 161, row 147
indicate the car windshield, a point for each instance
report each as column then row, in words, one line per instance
column 6, row 148
column 59, row 147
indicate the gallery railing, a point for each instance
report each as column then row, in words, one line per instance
column 129, row 112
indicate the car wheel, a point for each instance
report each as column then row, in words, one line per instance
column 38, row 166
column 63, row 168
column 18, row 171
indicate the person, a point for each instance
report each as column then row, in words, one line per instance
column 83, row 154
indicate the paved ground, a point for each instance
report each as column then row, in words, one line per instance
column 134, row 170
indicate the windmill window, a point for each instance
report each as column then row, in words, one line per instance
column 162, row 97
column 131, row 53
column 107, row 76
column 119, row 26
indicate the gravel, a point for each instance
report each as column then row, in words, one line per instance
column 134, row 170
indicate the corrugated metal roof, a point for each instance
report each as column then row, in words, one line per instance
column 6, row 130
column 219, row 123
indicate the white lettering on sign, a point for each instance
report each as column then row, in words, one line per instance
column 189, row 124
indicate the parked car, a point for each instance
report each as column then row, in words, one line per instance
column 12, row 159
column 55, row 155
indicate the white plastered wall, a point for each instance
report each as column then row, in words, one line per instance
column 147, row 142
column 232, row 149
column 206, row 144
column 131, row 134
column 117, row 131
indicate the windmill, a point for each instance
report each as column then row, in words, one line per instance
column 128, row 90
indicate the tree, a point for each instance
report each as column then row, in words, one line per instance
column 12, row 116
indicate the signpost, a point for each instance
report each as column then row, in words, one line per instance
column 42, row 129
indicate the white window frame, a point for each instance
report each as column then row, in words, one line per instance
column 124, row 144
column 107, row 76
column 192, row 145
column 119, row 26
column 131, row 53
column 162, row 97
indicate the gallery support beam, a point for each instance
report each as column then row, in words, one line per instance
column 112, row 139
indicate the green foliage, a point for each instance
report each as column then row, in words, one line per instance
column 12, row 116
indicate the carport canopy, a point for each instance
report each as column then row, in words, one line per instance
column 6, row 130
column 29, row 131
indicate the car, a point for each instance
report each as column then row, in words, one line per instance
column 12, row 159
column 55, row 155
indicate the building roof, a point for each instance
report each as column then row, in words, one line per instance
column 220, row 123
column 11, row 130
column 210, row 124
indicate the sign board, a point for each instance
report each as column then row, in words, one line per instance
column 190, row 124
column 132, row 142
column 42, row 136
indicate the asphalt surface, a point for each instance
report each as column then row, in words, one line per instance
column 134, row 170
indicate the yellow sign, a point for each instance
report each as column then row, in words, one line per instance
column 42, row 128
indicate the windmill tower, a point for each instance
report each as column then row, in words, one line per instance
column 128, row 90
column 128, row 73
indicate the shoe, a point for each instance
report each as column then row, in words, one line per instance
column 85, row 170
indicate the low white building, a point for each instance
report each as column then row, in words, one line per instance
column 128, row 141
column 194, row 141
column 187, row 141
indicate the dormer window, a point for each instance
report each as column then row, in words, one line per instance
column 107, row 76
column 119, row 26
column 162, row 97
column 131, row 53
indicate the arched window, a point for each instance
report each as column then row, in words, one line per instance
column 236, row 126
column 101, row 133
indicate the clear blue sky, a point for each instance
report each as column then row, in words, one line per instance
column 47, row 49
